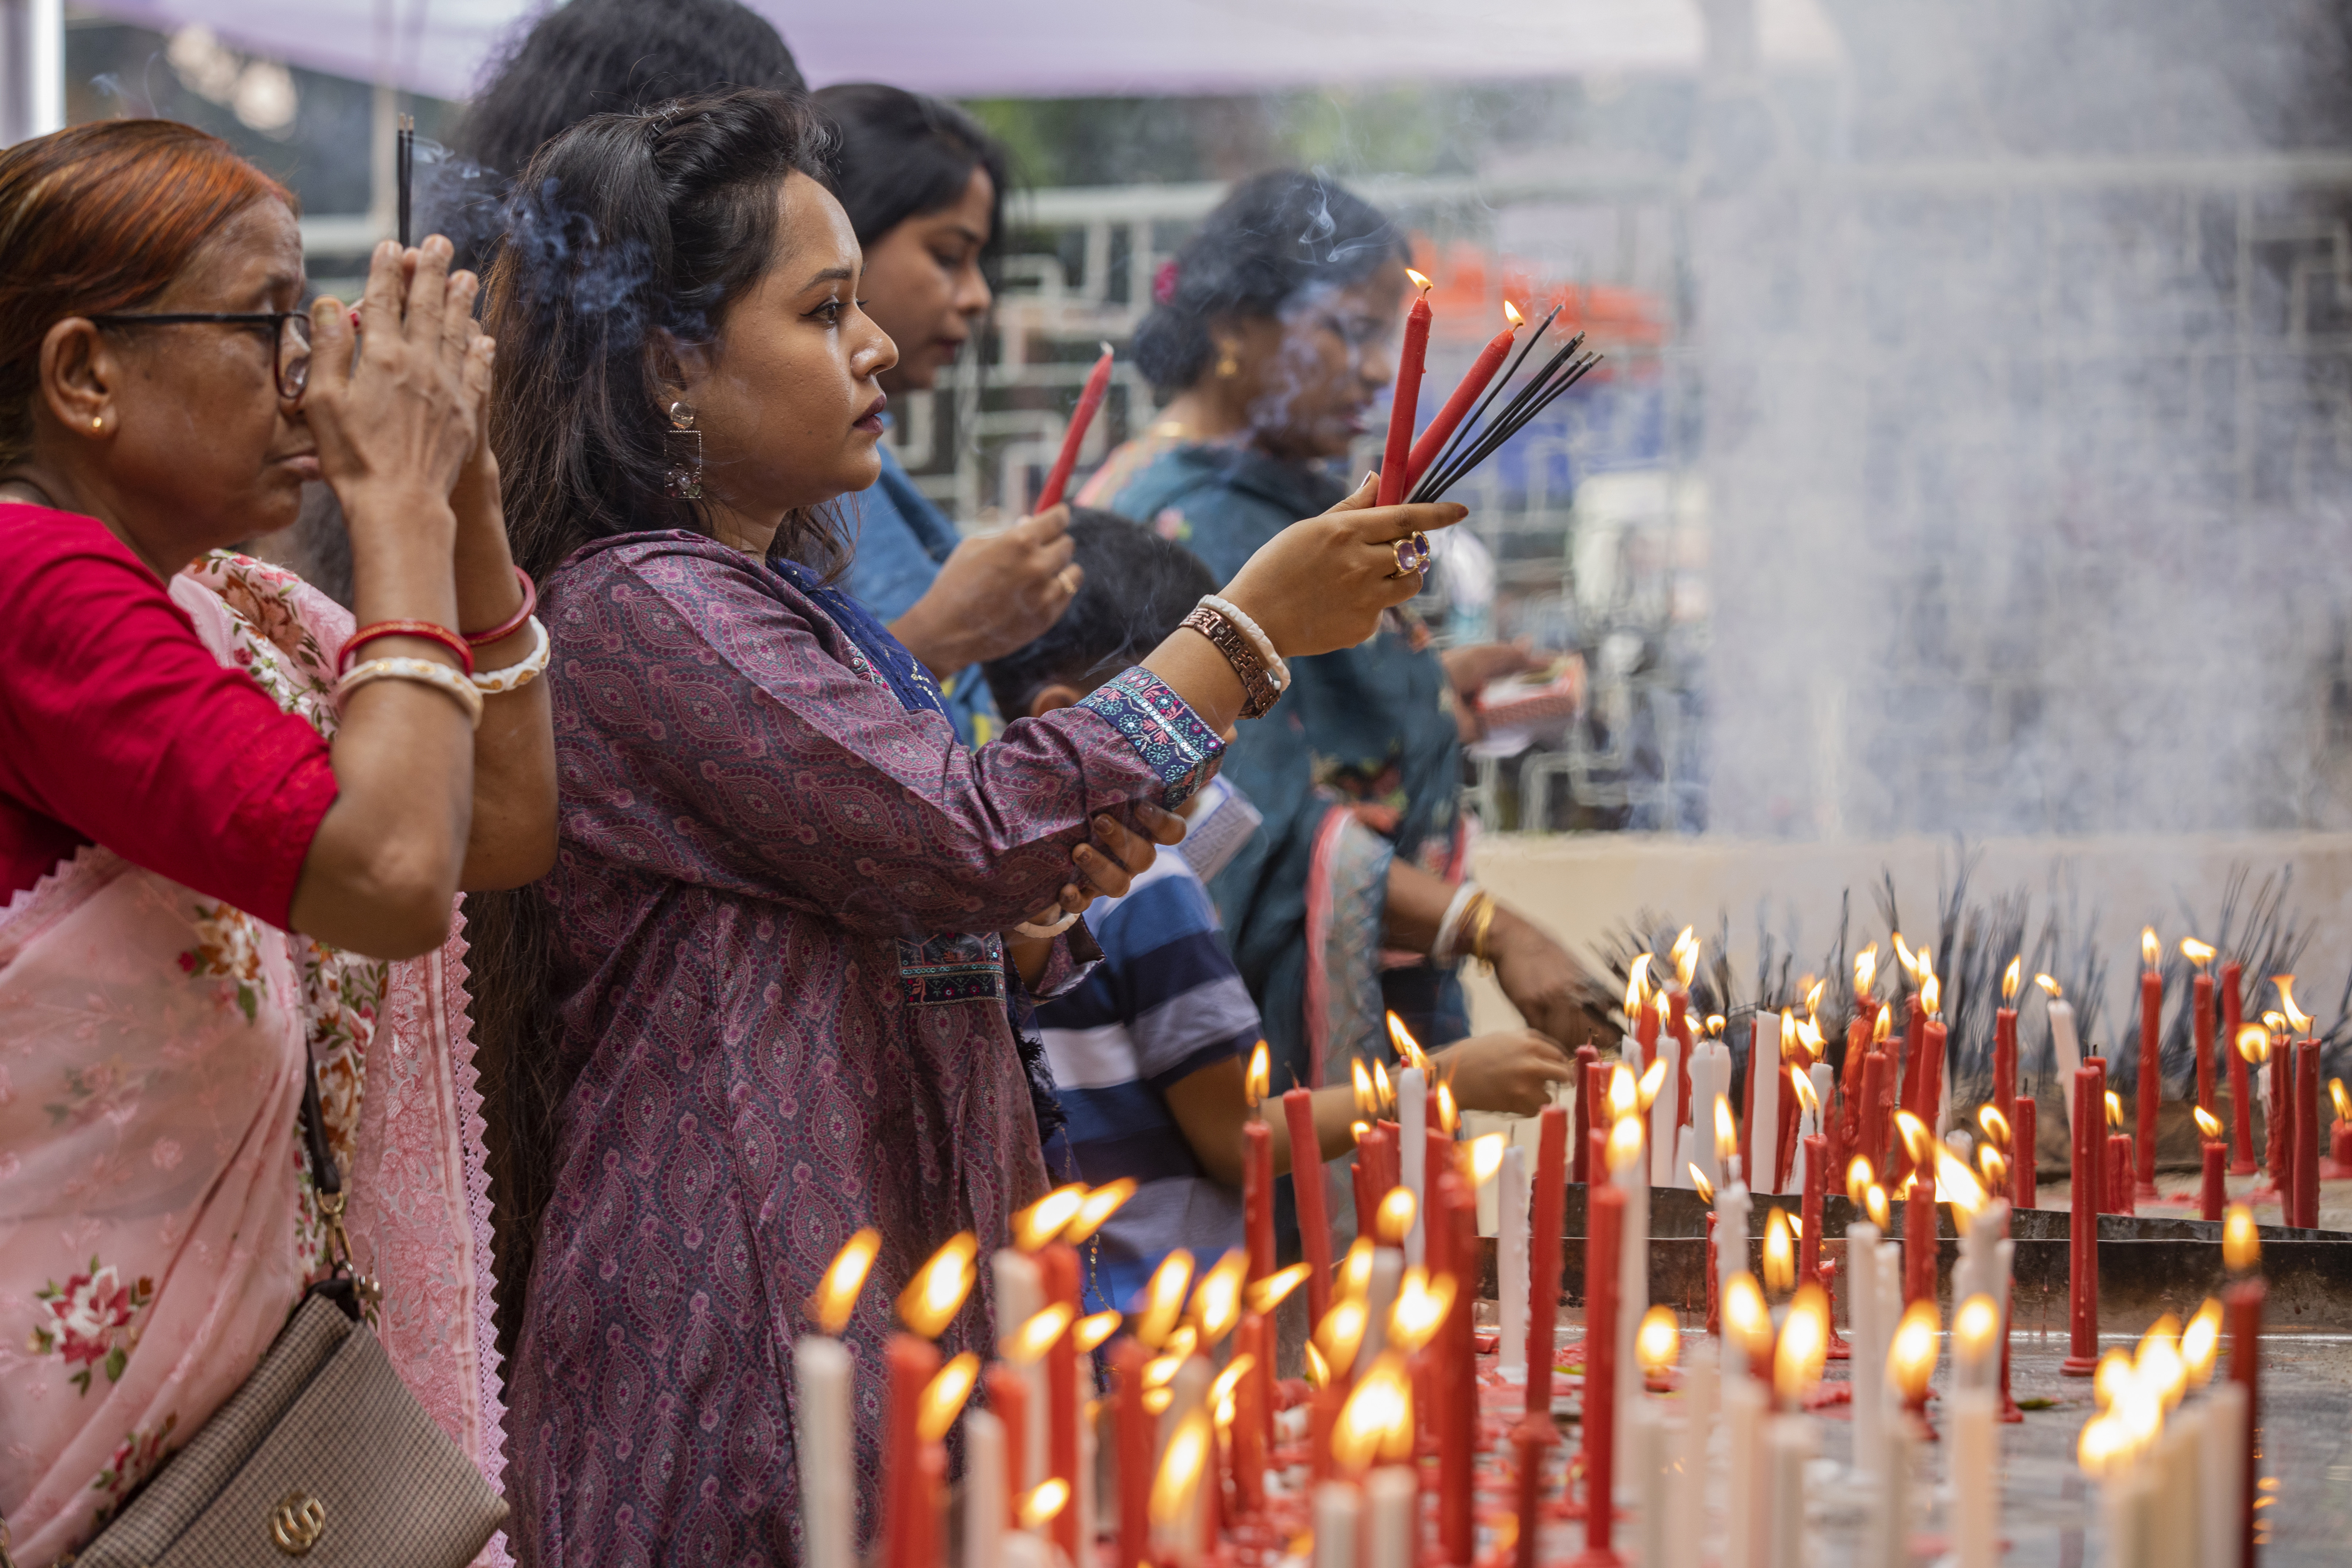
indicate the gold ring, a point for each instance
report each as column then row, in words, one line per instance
column 1063, row 577
column 1411, row 555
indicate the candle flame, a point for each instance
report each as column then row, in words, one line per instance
column 1974, row 1326
column 1810, row 1040
column 1801, row 1082
column 1038, row 1224
column 1318, row 1371
column 1882, row 1026
column 1368, row 1104
column 1726, row 1132
column 2099, row 1447
column 1624, row 1143
column 1788, row 1033
column 1341, row 1335
column 1259, row 1078
column 2010, row 977
column 1813, row 996
column 1931, row 990
column 1624, row 1097
column 1355, row 1269
column 1907, row 958
column 934, row 1295
column 1420, row 282
column 1356, row 1131
column 2253, row 1043
column 2150, row 949
column 1803, row 1348
column 2158, row 1366
column 944, row 1395
column 2049, row 985
column 2296, row 1018
column 1100, row 1205
column 1511, row 314
column 1228, row 1380
column 2114, row 1109
column 1866, row 970
column 1217, row 1299
column 1377, row 1420
column 1746, row 1319
column 1917, row 1140
column 1714, row 1023
column 1686, row 956
column 2201, row 1343
column 2275, row 1022
column 2208, row 1124
column 2342, row 1104
column 1858, row 1176
column 1957, row 1184
column 1032, row 1339
column 2113, row 1376
column 1653, row 1078
column 2197, row 953
column 830, row 1304
column 1163, row 1300
column 1701, row 1186
column 1392, row 1221
column 1779, row 1255
column 1873, row 1204
column 1421, row 1308
column 1449, row 1119
column 1382, row 1085
column 1486, row 1157
column 2242, row 1244
column 1093, row 1328
column 1994, row 1125
column 1637, row 984
column 1181, row 1465
column 1266, row 1294
column 1657, row 1343
column 1664, row 1005
column 1911, row 1357
column 1408, row 1049
column 1993, row 1166
column 1040, row 1503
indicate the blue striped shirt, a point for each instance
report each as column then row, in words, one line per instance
column 1165, row 1002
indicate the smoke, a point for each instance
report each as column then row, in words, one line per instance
column 2026, row 428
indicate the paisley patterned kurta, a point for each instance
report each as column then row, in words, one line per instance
column 780, row 993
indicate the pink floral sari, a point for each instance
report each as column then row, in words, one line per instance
column 156, row 1217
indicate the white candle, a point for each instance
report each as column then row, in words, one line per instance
column 1413, row 1138
column 1661, row 1131
column 2128, row 1495
column 2069, row 1049
column 2177, row 1494
column 1338, row 1514
column 821, row 1367
column 1021, row 1295
column 1511, row 1262
column 1648, row 1454
column 1089, row 1464
column 1710, row 1077
column 1689, row 1493
column 1763, row 1135
column 1867, row 1364
column 983, row 1490
column 1390, row 1498
column 2219, row 1506
column 1744, row 1504
column 1789, row 1442
column 1888, row 1542
column 1976, row 1481
column 1388, row 1278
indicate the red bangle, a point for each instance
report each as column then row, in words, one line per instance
column 374, row 629
column 513, row 623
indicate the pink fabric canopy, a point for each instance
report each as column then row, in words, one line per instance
column 1051, row 48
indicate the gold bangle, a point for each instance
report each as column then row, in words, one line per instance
column 1480, row 918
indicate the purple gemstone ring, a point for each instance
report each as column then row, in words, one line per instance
column 1411, row 555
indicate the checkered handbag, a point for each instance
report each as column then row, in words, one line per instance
column 321, row 1455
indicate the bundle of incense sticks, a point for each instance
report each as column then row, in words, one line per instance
column 403, row 165
column 1480, row 438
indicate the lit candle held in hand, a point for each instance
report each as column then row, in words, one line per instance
column 1396, row 458
column 1090, row 401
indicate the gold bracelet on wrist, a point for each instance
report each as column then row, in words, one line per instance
column 1480, row 918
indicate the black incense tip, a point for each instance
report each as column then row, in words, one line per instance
column 404, row 171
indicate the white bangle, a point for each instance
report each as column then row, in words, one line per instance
column 1448, row 928
column 1277, row 672
column 523, row 671
column 1043, row 934
column 448, row 679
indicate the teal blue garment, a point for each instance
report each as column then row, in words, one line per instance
column 902, row 540
column 1371, row 726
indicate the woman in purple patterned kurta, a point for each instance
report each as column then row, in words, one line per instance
column 771, row 985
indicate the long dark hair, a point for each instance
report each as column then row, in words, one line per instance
column 902, row 154
column 625, row 227
column 1273, row 236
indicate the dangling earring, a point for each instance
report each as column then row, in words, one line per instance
column 1229, row 364
column 682, row 444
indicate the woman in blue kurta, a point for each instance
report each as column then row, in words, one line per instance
column 761, row 1002
column 1274, row 331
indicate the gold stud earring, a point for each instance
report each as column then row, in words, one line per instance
column 1229, row 364
column 97, row 422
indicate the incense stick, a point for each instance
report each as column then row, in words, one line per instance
column 403, row 160
column 1560, row 373
column 1464, row 434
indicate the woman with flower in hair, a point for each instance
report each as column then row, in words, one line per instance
column 1272, row 332
column 228, row 856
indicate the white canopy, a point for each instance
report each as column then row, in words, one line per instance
column 1056, row 48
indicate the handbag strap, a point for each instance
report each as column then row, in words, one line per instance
column 357, row 1294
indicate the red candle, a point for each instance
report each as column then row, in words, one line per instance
column 1645, row 1035
column 2279, row 1123
column 1763, row 1056
column 1808, row 1206
column 2340, row 1147
column 1544, row 1218
column 1457, row 1370
column 1058, row 1265
column 2151, row 1075
column 1134, row 1452
column 1530, row 1437
column 1604, row 1223
column 2242, row 1308
column 912, row 1362
column 2307, row 1134
column 1784, row 1138
column 1008, row 1400
column 1678, row 1020
column 2212, row 1194
column 2024, row 1178
column 1367, row 1202
column 2119, row 1174
column 2200, row 1014
column 2090, row 1147
column 1931, row 1064
column 1587, row 1080
column 1914, row 1074
column 2242, row 1109
column 2004, row 1068
column 1457, row 407
column 1057, row 478
column 1876, row 1095
column 1322, row 1415
column 1306, row 1192
column 1257, row 1196
column 1849, row 1082
column 1396, row 458
column 920, row 1536
column 1253, row 1414
column 2099, row 1183
column 1919, row 1242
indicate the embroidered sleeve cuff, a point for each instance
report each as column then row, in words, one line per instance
column 1076, row 953
column 1181, row 752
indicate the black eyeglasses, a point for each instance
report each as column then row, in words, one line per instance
column 289, row 333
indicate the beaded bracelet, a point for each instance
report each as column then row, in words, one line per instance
column 513, row 623
column 523, row 671
column 458, row 688
column 1258, row 639
column 1259, row 692
column 427, row 629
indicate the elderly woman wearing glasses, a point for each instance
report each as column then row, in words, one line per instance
column 233, row 824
